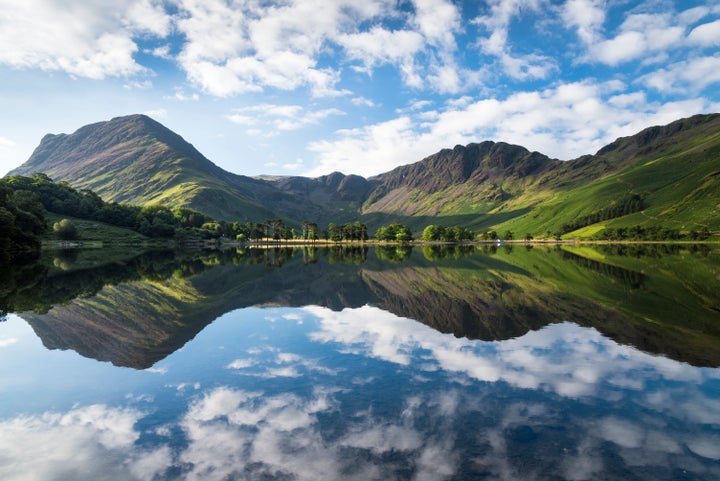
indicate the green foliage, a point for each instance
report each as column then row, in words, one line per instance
column 65, row 230
column 394, row 232
column 623, row 206
column 22, row 219
column 637, row 232
column 435, row 232
column 190, row 218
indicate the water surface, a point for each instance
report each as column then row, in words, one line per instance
column 435, row 363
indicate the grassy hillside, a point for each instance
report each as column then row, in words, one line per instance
column 89, row 230
column 136, row 160
column 675, row 170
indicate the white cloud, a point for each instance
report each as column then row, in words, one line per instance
column 363, row 102
column 148, row 16
column 437, row 20
column 624, row 47
column 280, row 117
column 86, row 39
column 181, row 96
column 370, row 150
column 7, row 341
column 497, row 23
column 587, row 16
column 692, row 75
column 156, row 113
column 238, row 48
column 647, row 36
column 707, row 34
column 379, row 46
column 563, row 122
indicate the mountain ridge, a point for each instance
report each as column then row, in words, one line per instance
column 484, row 185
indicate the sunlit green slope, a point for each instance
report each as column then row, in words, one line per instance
column 674, row 169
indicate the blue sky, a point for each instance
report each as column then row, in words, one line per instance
column 307, row 87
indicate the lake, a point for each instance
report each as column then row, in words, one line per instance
column 395, row 363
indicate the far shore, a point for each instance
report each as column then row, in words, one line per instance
column 272, row 243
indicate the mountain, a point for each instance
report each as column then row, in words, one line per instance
column 137, row 160
column 663, row 176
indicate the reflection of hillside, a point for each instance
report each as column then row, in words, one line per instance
column 631, row 279
column 665, row 302
column 492, row 306
column 135, row 312
column 137, row 320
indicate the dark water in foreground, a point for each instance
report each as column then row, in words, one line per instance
column 434, row 364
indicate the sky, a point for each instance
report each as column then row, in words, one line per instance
column 308, row 87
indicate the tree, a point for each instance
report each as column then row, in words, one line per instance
column 334, row 232
column 313, row 231
column 433, row 233
column 65, row 230
column 394, row 232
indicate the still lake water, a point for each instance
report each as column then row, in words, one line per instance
column 309, row 364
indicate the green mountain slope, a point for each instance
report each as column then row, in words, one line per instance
column 674, row 169
column 136, row 160
column 663, row 176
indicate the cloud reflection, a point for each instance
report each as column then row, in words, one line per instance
column 475, row 410
column 97, row 441
column 564, row 358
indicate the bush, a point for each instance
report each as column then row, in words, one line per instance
column 65, row 230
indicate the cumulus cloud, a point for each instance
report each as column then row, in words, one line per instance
column 688, row 76
column 587, row 16
column 233, row 48
column 648, row 37
column 273, row 118
column 84, row 39
column 497, row 23
column 236, row 48
column 707, row 34
column 565, row 122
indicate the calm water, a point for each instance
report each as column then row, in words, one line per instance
column 418, row 364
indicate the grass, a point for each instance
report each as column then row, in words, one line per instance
column 95, row 232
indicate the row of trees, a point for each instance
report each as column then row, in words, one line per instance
column 653, row 233
column 435, row 232
column 624, row 206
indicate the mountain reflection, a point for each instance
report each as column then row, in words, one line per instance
column 135, row 310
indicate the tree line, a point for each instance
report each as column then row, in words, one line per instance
column 25, row 201
column 624, row 206
column 653, row 233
